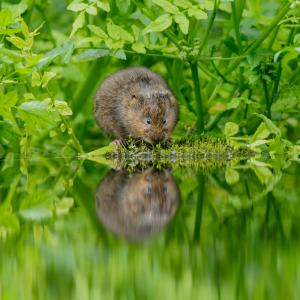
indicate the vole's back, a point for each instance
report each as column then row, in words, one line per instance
column 114, row 93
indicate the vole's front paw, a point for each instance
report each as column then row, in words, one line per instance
column 117, row 142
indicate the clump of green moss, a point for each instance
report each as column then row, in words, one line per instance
column 204, row 152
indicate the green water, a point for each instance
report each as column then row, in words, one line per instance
column 168, row 234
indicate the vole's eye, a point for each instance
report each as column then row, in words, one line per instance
column 147, row 120
column 164, row 121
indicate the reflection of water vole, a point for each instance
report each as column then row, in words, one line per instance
column 136, row 102
column 137, row 205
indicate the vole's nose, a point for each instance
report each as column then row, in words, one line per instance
column 158, row 139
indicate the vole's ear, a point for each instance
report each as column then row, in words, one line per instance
column 164, row 95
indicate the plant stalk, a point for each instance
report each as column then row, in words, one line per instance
column 285, row 8
column 197, row 91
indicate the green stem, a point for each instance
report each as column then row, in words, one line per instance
column 196, row 81
column 268, row 102
column 68, row 126
column 236, row 24
column 199, row 208
column 210, row 24
column 285, row 8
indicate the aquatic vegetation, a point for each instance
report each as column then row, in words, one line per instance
column 234, row 68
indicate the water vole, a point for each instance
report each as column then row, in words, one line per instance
column 138, row 103
column 137, row 205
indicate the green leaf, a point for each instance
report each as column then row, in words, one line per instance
column 197, row 13
column 98, row 31
column 118, row 33
column 270, row 125
column 9, row 224
column 231, row 129
column 123, row 5
column 65, row 50
column 167, row 6
column 38, row 115
column 264, row 174
column 120, row 54
column 47, row 76
column 5, row 17
column 162, row 23
column 35, row 79
column 261, row 133
column 182, row 3
column 92, row 10
column 63, row 206
column 104, row 5
column 78, row 23
column 183, row 22
column 7, row 101
column 138, row 47
column 231, row 175
column 63, row 108
column 20, row 43
column 77, row 6
column 92, row 54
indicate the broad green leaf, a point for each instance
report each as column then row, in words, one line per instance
column 25, row 29
column 64, row 50
column 38, row 115
column 182, row 3
column 198, row 13
column 123, row 5
column 47, row 76
column 261, row 133
column 264, row 174
column 162, row 23
column 20, row 43
column 5, row 17
column 231, row 129
column 92, row 54
column 64, row 205
column 77, row 6
column 92, row 10
column 118, row 33
column 11, row 134
column 78, row 23
column 231, row 176
column 167, row 6
column 36, row 79
column 63, row 108
column 120, row 54
column 37, row 213
column 98, row 31
column 183, row 22
column 138, row 47
column 9, row 224
column 270, row 125
column 7, row 101
column 104, row 5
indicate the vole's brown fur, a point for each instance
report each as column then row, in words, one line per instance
column 138, row 103
column 137, row 205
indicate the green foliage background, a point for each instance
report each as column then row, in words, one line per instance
column 234, row 68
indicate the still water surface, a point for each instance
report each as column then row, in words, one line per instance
column 159, row 234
